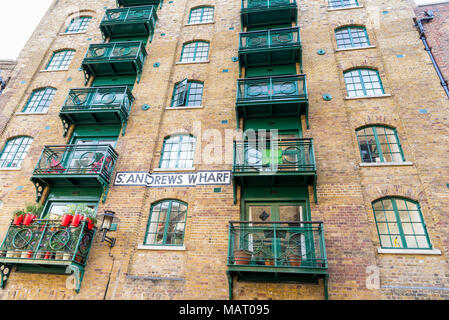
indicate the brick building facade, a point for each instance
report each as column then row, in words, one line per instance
column 141, row 110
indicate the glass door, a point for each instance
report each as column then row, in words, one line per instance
column 88, row 158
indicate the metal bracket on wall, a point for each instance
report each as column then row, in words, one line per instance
column 5, row 270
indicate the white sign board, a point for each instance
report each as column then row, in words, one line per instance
column 168, row 180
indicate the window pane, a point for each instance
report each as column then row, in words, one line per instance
column 60, row 60
column 351, row 37
column 40, row 100
column 362, row 82
column 14, row 152
column 78, row 24
column 178, row 152
column 195, row 51
column 201, row 15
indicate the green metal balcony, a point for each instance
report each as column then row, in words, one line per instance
column 133, row 3
column 255, row 13
column 115, row 58
column 75, row 166
column 270, row 47
column 284, row 251
column 281, row 162
column 133, row 21
column 275, row 96
column 97, row 105
column 46, row 247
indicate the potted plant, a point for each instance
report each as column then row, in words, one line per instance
column 79, row 214
column 18, row 217
column 32, row 212
column 90, row 217
column 294, row 260
column 68, row 214
column 242, row 257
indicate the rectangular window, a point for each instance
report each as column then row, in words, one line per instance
column 40, row 100
column 201, row 15
column 78, row 25
column 60, row 60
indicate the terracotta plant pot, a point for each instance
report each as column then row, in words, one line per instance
column 76, row 220
column 269, row 261
column 294, row 260
column 66, row 219
column 242, row 257
column 17, row 220
column 29, row 217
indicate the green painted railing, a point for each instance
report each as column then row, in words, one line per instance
column 264, row 4
column 270, row 39
column 130, row 3
column 274, row 88
column 99, row 98
column 77, row 160
column 132, row 14
column 270, row 156
column 116, row 51
column 286, row 244
column 47, row 242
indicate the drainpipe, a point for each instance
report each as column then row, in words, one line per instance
column 422, row 35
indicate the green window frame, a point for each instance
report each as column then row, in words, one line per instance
column 379, row 144
column 187, row 94
column 335, row 4
column 78, row 24
column 55, row 209
column 15, row 151
column 60, row 60
column 351, row 37
column 195, row 51
column 166, row 223
column 178, row 152
column 363, row 82
column 203, row 14
column 400, row 224
column 39, row 100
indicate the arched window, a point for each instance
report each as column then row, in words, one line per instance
column 400, row 224
column 166, row 224
column 187, row 94
column 60, row 60
column 78, row 24
column 379, row 144
column 335, row 4
column 363, row 82
column 39, row 100
column 196, row 51
column 14, row 152
column 351, row 37
column 201, row 15
column 178, row 152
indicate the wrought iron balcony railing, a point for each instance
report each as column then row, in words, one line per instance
column 268, row 12
column 277, row 251
column 114, row 58
column 274, row 156
column 46, row 247
column 81, row 165
column 131, row 21
column 277, row 244
column 104, row 105
column 274, row 88
column 269, row 39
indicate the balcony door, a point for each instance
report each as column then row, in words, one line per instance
column 274, row 243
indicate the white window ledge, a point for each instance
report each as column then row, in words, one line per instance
column 193, row 62
column 355, row 48
column 71, row 33
column 409, row 251
column 29, row 113
column 164, row 248
column 173, row 170
column 199, row 23
column 385, row 164
column 345, row 8
column 184, row 107
column 10, row 169
column 56, row 70
column 369, row 97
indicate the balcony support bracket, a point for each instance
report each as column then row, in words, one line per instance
column 326, row 287
column 5, row 270
column 76, row 275
column 105, row 193
column 230, row 284
column 40, row 187
column 65, row 126
column 124, row 126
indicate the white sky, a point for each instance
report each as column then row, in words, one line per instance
column 19, row 18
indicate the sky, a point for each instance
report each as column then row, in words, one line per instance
column 19, row 18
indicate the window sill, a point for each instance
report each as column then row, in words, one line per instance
column 345, row 8
column 158, row 248
column 385, row 164
column 10, row 169
column 409, row 251
column 173, row 170
column 355, row 48
column 183, row 108
column 199, row 23
column 192, row 62
column 369, row 97
column 56, row 70
column 29, row 113
column 71, row 33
